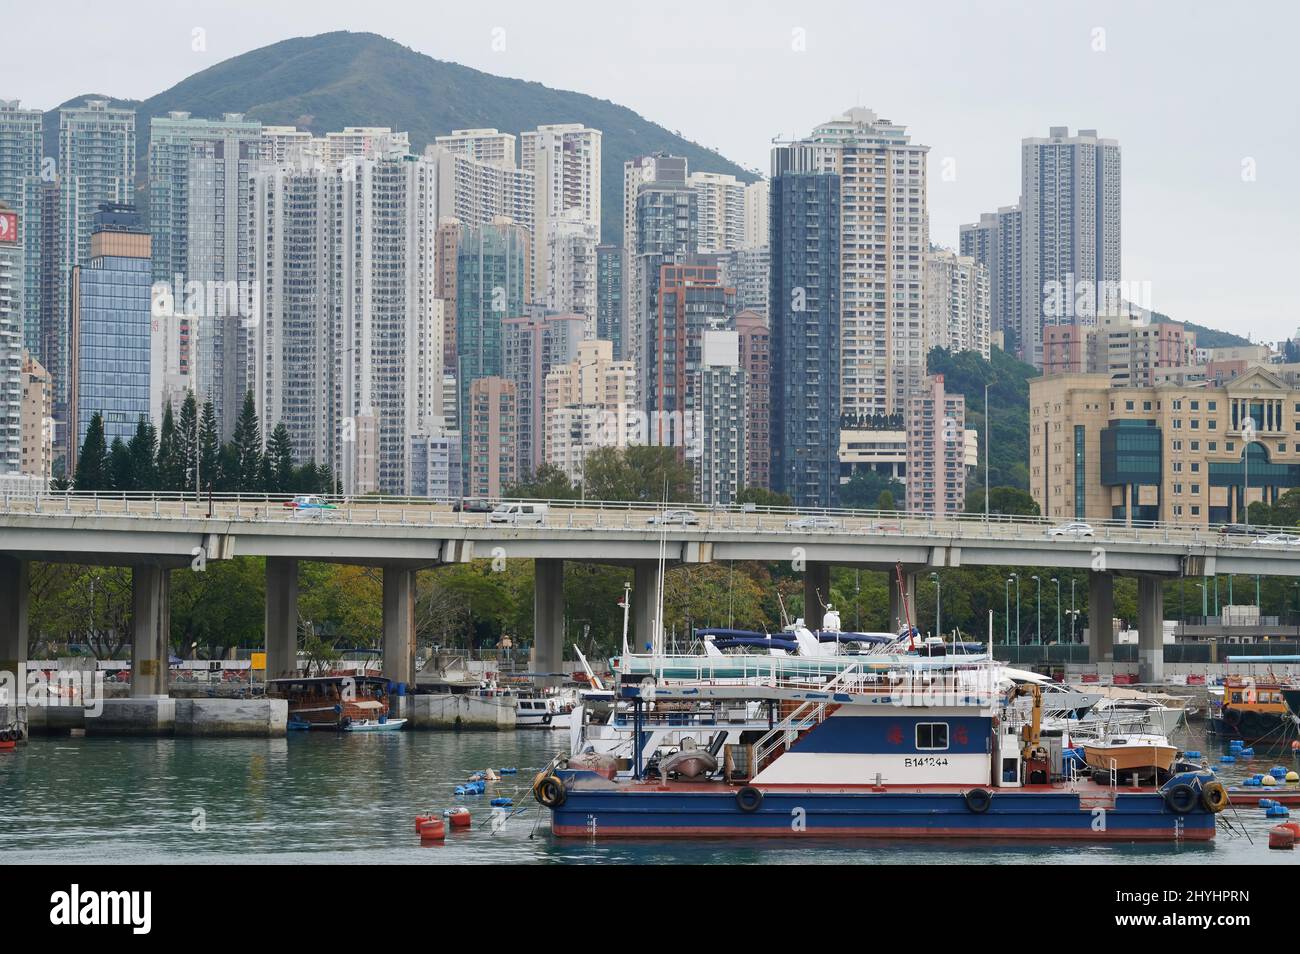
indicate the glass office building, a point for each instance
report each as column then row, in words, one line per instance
column 111, row 343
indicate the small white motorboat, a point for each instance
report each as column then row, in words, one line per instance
column 375, row 725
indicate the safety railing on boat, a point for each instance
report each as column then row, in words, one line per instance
column 804, row 717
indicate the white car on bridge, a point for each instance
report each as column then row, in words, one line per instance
column 813, row 522
column 1076, row 529
column 674, row 518
column 1277, row 540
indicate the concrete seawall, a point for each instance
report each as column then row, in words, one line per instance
column 165, row 716
column 447, row 711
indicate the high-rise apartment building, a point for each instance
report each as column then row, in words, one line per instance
column 110, row 345
column 588, row 405
column 491, row 286
column 884, row 232
column 936, row 449
column 490, row 467
column 755, row 343
column 21, row 168
column 720, row 466
column 1070, row 226
column 749, row 270
column 359, row 142
column 995, row 243
column 756, row 214
column 483, row 145
column 37, row 430
column 349, row 350
column 690, row 301
column 571, row 264
column 720, row 211
column 11, row 342
column 609, row 296
column 478, row 191
column 200, row 223
column 957, row 303
column 1133, row 351
column 565, row 162
column 532, row 345
column 804, row 314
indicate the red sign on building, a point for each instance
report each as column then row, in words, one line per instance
column 8, row 227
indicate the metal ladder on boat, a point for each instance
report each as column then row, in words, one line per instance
column 804, row 717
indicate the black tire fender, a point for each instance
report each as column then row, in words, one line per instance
column 749, row 799
column 551, row 792
column 1181, row 799
column 978, row 800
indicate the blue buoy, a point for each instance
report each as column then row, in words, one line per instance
column 509, row 771
column 1266, row 803
column 1277, row 811
column 1246, row 753
column 502, row 802
column 1192, row 754
column 1227, row 759
column 1278, row 772
column 1251, row 782
column 460, row 790
column 1235, row 743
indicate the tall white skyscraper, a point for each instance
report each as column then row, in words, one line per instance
column 571, row 268
column 565, row 162
column 957, row 302
column 884, row 236
column 199, row 220
column 21, row 155
column 349, row 349
column 11, row 342
column 756, row 212
column 1070, row 220
column 477, row 191
column 720, row 202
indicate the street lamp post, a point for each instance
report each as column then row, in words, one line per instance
column 1074, row 614
column 1038, row 630
column 1058, row 610
column 938, row 606
column 1016, row 579
column 1006, row 613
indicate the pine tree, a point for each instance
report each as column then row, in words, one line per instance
column 209, row 450
column 186, row 440
column 170, row 464
column 246, row 444
column 279, row 459
column 143, row 448
column 119, row 466
column 92, row 463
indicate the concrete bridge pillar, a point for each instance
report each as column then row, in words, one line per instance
column 399, row 624
column 1101, row 617
column 150, row 630
column 281, row 616
column 898, row 613
column 548, row 615
column 13, row 613
column 1151, row 629
column 816, row 593
column 645, row 605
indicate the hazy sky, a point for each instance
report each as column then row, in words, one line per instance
column 1201, row 96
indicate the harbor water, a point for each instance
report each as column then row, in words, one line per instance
column 322, row 797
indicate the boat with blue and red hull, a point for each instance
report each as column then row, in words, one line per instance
column 888, row 748
column 595, row 807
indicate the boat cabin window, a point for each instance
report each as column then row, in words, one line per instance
column 931, row 736
column 1236, row 697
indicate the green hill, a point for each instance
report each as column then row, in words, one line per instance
column 323, row 83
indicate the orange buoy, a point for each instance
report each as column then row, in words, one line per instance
column 433, row 830
column 422, row 820
column 459, row 818
column 1281, row 837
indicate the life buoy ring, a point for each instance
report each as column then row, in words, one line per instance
column 550, row 792
column 1181, row 799
column 546, row 719
column 749, row 799
column 978, row 800
column 1214, row 797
